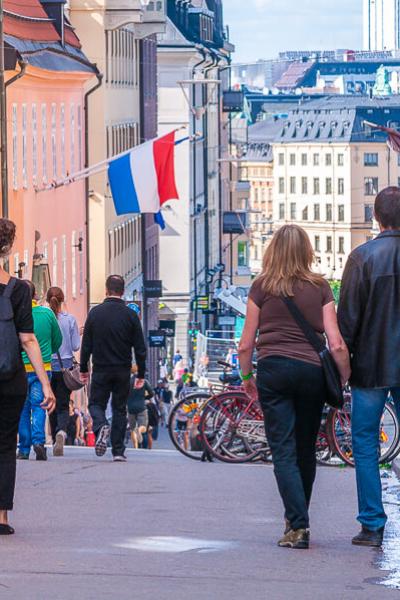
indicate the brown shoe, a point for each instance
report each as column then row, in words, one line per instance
column 296, row 538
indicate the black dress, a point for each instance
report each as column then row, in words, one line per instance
column 12, row 398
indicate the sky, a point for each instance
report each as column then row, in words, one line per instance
column 262, row 28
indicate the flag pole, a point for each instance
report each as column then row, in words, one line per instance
column 93, row 170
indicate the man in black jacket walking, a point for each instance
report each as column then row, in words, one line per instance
column 369, row 321
column 111, row 331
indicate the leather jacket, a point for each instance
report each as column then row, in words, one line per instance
column 369, row 311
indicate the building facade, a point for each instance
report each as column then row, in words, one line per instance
column 381, row 25
column 329, row 166
column 192, row 56
column 46, row 140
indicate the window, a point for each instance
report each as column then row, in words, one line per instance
column 64, row 263
column 329, row 244
column 62, row 130
column 72, row 137
column 292, row 160
column 370, row 159
column 341, row 212
column 305, row 214
column 44, row 146
column 293, row 210
column 368, row 212
column 80, row 154
column 293, row 185
column 329, row 212
column 317, row 213
column 340, row 186
column 328, row 160
column 281, row 159
column 243, row 258
column 316, row 160
column 328, row 186
column 24, row 148
column 317, row 243
column 370, row 186
column 46, row 251
column 34, row 145
column 304, row 185
column 54, row 139
column 316, row 186
column 304, row 160
column 55, row 270
column 281, row 211
column 340, row 160
column 73, row 263
column 341, row 245
column 16, row 263
column 15, row 145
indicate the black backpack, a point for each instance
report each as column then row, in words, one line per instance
column 10, row 351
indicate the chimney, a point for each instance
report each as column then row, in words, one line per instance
column 55, row 11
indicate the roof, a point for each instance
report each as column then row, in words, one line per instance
column 294, row 75
column 33, row 34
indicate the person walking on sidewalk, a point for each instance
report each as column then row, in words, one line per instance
column 290, row 382
column 369, row 321
column 111, row 331
column 71, row 342
column 33, row 418
column 16, row 332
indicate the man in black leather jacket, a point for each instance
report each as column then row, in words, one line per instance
column 369, row 312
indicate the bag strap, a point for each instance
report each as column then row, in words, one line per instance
column 60, row 361
column 9, row 288
column 304, row 325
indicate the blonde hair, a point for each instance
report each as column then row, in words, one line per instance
column 287, row 260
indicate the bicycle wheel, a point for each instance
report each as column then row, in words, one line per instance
column 183, row 424
column 232, row 428
column 340, row 429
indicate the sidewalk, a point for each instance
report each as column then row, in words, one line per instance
column 165, row 527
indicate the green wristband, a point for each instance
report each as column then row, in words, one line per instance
column 246, row 377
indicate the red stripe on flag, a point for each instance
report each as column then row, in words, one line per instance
column 164, row 149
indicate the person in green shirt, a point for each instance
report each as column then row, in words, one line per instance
column 33, row 417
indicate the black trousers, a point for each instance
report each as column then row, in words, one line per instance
column 11, row 405
column 292, row 395
column 59, row 418
column 117, row 385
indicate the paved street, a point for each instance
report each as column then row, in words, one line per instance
column 165, row 527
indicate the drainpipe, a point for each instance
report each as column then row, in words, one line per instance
column 87, row 228
column 4, row 153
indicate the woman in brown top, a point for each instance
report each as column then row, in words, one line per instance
column 290, row 382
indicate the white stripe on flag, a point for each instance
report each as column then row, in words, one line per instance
column 145, row 178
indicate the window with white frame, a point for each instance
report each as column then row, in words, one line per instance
column 73, row 263
column 46, row 251
column 26, row 261
column 64, row 263
column 24, row 147
column 34, row 145
column 44, row 143
column 55, row 263
column 16, row 263
column 79, row 125
column 72, row 137
column 81, row 271
column 15, row 145
column 54, row 139
column 62, row 133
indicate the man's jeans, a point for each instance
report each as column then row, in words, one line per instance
column 33, row 418
column 367, row 410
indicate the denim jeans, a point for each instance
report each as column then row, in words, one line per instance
column 367, row 410
column 292, row 395
column 33, row 418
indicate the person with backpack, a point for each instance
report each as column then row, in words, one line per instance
column 137, row 412
column 16, row 332
column 33, row 418
column 64, row 359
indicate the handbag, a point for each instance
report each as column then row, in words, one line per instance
column 331, row 373
column 71, row 376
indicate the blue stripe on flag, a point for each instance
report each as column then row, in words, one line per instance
column 122, row 186
column 159, row 219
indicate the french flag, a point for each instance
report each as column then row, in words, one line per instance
column 144, row 179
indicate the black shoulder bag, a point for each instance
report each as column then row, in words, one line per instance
column 332, row 378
